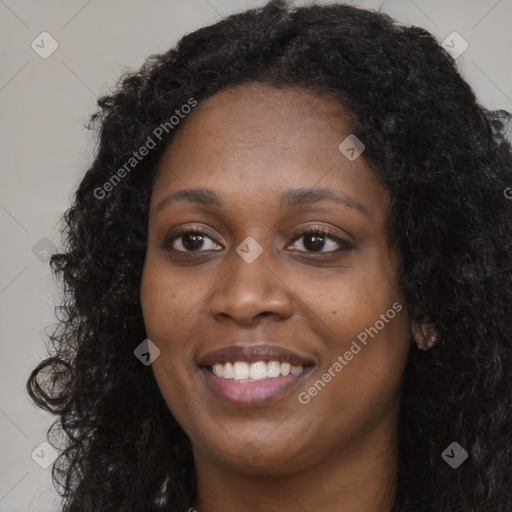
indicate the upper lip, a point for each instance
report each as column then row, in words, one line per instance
column 252, row 354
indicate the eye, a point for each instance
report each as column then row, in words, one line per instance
column 315, row 241
column 189, row 240
column 195, row 240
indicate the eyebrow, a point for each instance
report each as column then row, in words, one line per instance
column 290, row 198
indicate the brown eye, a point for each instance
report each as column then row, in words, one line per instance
column 189, row 241
column 317, row 239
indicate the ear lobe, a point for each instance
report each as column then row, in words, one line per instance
column 424, row 334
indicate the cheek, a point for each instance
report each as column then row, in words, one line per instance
column 168, row 311
column 346, row 304
column 357, row 387
column 365, row 329
column 170, row 314
column 168, row 301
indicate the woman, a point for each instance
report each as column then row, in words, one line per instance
column 288, row 278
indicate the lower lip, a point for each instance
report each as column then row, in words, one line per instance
column 252, row 393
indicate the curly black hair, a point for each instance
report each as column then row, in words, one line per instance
column 446, row 161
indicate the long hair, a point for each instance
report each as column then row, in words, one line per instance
column 446, row 162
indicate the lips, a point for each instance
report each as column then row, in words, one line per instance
column 241, row 391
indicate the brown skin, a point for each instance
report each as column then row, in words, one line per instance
column 339, row 451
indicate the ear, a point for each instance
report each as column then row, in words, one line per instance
column 424, row 334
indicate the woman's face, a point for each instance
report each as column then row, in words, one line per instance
column 262, row 167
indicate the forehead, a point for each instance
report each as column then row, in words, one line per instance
column 265, row 112
column 257, row 120
column 254, row 141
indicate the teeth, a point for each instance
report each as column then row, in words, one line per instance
column 251, row 372
column 241, row 370
column 218, row 369
column 274, row 368
column 258, row 370
column 228, row 371
column 285, row 368
column 295, row 370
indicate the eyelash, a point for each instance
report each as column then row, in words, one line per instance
column 317, row 230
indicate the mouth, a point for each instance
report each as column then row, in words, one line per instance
column 252, row 376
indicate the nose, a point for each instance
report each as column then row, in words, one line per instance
column 250, row 290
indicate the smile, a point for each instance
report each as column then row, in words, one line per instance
column 255, row 384
column 253, row 375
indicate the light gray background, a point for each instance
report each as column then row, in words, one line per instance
column 45, row 149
